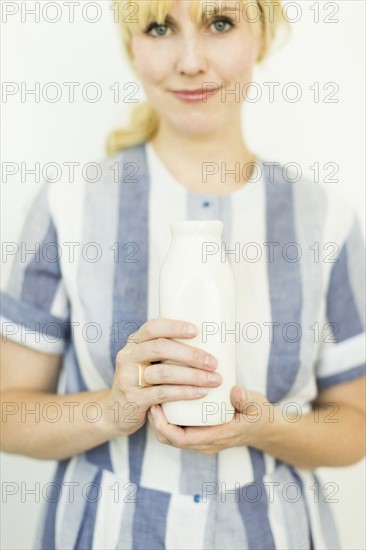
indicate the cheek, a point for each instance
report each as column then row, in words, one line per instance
column 150, row 68
column 239, row 59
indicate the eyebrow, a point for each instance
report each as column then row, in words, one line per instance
column 225, row 8
column 212, row 12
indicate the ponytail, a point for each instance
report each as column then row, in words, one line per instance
column 143, row 125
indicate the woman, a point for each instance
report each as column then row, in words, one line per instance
column 125, row 477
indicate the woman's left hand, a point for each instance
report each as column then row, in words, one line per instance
column 252, row 415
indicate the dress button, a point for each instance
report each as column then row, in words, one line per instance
column 206, row 203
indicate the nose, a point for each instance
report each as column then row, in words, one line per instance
column 191, row 57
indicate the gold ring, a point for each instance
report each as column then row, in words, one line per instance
column 142, row 381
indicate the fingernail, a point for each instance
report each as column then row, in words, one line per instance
column 190, row 330
column 215, row 377
column 210, row 361
column 152, row 410
column 201, row 391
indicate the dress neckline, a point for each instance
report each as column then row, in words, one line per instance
column 253, row 182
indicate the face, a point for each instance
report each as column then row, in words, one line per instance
column 216, row 54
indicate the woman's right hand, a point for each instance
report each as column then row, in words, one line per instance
column 127, row 402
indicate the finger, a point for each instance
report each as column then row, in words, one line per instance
column 203, row 435
column 170, row 432
column 165, row 373
column 154, row 395
column 237, row 397
column 163, row 328
column 165, row 349
column 154, row 422
column 245, row 401
column 195, row 437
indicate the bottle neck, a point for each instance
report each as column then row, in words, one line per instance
column 201, row 230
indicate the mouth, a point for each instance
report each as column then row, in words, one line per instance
column 199, row 94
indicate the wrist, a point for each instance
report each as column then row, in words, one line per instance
column 268, row 427
column 119, row 419
column 110, row 425
column 275, row 425
column 278, row 425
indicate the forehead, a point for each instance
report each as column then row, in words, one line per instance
column 148, row 10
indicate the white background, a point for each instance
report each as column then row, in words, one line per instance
column 305, row 132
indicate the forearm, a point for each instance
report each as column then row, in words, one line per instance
column 53, row 426
column 318, row 438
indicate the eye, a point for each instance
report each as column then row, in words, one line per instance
column 221, row 22
column 156, row 26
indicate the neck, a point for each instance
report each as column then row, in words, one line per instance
column 213, row 164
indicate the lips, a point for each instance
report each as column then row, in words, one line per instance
column 190, row 92
column 196, row 95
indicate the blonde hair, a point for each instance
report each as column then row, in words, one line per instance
column 144, row 120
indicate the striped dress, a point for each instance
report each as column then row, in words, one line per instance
column 296, row 249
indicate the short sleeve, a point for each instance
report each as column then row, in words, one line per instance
column 342, row 356
column 35, row 309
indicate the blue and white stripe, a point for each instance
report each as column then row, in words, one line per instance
column 161, row 489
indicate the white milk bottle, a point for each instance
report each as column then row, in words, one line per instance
column 197, row 285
